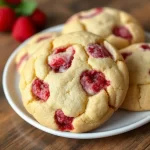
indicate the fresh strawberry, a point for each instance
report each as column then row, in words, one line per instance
column 7, row 18
column 23, row 29
column 13, row 2
column 38, row 18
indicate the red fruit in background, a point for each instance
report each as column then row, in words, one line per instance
column 23, row 29
column 7, row 18
column 13, row 2
column 38, row 18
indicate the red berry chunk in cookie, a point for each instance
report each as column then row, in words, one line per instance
column 122, row 32
column 92, row 14
column 43, row 38
column 93, row 81
column 61, row 59
column 64, row 123
column 40, row 89
column 98, row 51
column 125, row 55
column 145, row 47
column 22, row 59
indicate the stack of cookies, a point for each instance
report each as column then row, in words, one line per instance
column 75, row 80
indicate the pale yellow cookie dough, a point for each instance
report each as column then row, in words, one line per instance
column 38, row 40
column 137, row 57
column 89, row 110
column 103, row 21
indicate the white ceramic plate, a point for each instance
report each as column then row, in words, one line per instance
column 122, row 121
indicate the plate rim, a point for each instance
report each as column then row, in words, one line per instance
column 55, row 132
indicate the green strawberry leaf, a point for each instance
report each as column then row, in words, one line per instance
column 2, row 3
column 26, row 8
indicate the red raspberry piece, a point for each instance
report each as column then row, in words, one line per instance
column 22, row 59
column 64, row 123
column 98, row 51
column 125, row 55
column 61, row 59
column 40, row 89
column 43, row 38
column 87, row 16
column 145, row 47
column 93, row 81
column 122, row 32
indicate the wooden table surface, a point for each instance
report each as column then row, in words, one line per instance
column 16, row 134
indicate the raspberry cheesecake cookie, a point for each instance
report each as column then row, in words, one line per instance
column 137, row 58
column 117, row 27
column 37, row 41
column 76, row 84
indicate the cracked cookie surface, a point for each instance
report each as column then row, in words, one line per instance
column 117, row 27
column 38, row 40
column 137, row 57
column 75, row 84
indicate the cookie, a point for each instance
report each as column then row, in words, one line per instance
column 76, row 84
column 137, row 57
column 117, row 27
column 38, row 40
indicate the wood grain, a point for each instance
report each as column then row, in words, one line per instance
column 16, row 134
